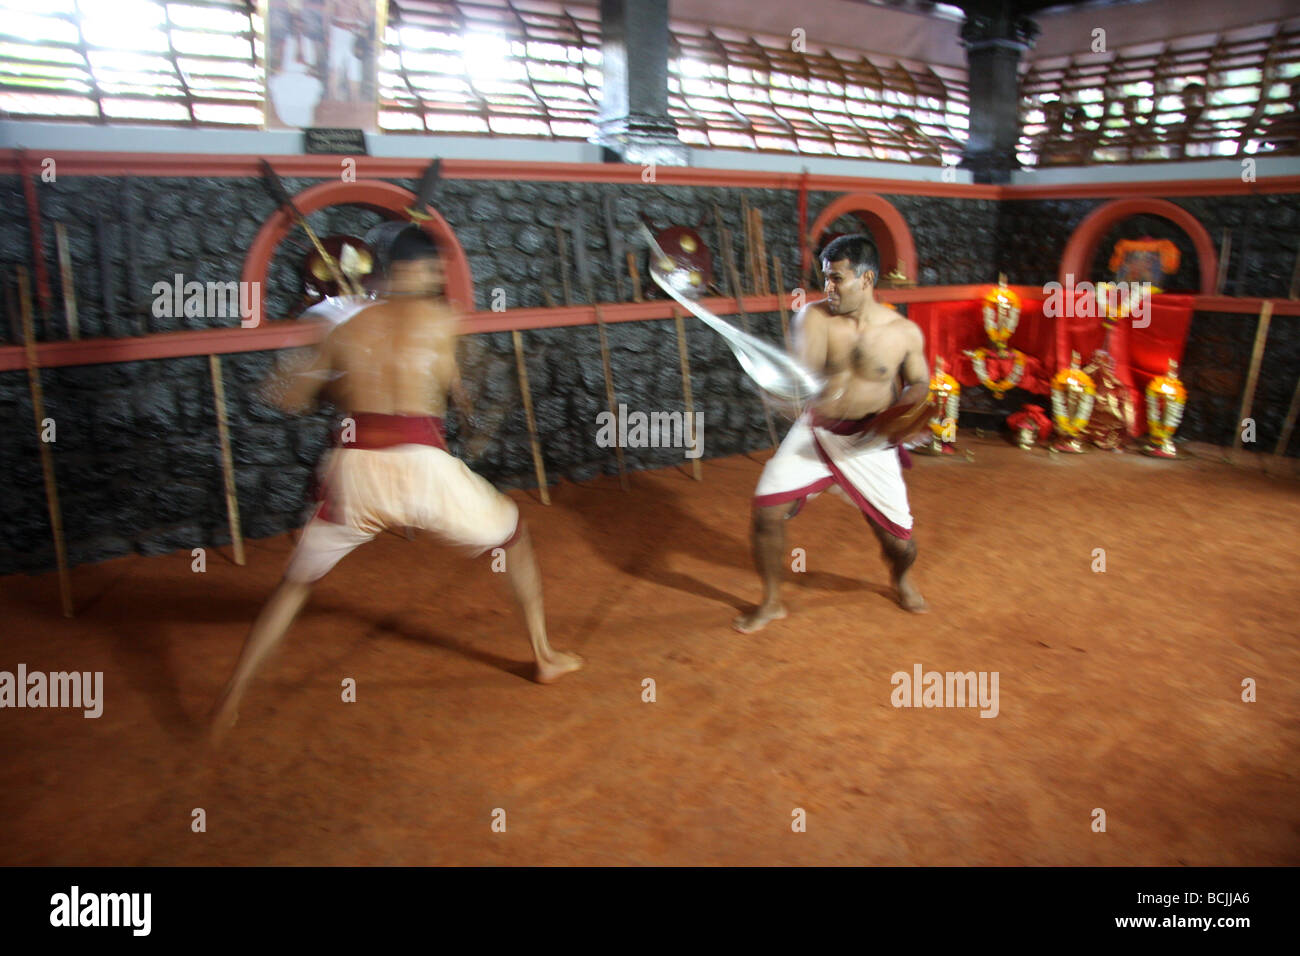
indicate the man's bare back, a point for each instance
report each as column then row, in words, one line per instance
column 395, row 357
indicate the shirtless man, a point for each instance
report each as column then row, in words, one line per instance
column 390, row 365
column 861, row 347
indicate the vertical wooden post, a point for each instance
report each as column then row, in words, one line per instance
column 686, row 389
column 527, row 395
column 227, row 460
column 1252, row 377
column 47, row 459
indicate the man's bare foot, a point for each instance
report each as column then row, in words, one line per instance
column 556, row 666
column 758, row 618
column 222, row 720
column 909, row 599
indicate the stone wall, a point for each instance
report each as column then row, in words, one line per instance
column 136, row 447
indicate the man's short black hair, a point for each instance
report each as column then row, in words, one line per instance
column 413, row 245
column 859, row 250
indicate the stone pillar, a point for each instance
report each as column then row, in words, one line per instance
column 995, row 38
column 634, row 123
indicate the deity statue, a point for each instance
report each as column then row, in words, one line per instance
column 1001, row 316
column 1166, row 399
column 1112, row 412
column 1073, row 394
column 945, row 398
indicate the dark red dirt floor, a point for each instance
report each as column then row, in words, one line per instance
column 1119, row 690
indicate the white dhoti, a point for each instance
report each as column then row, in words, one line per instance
column 415, row 485
column 813, row 458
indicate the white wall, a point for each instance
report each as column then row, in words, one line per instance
column 138, row 139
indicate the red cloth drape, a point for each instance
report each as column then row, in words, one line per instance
column 1140, row 353
column 953, row 327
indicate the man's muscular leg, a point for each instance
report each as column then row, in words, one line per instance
column 267, row 634
column 768, row 540
column 900, row 554
column 526, row 583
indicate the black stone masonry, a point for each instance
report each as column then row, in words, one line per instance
column 135, row 449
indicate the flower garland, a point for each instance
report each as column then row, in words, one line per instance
column 1001, row 313
column 1002, row 386
column 1169, row 389
column 1072, row 379
column 945, row 395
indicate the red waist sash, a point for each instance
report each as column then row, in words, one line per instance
column 374, row 431
column 844, row 426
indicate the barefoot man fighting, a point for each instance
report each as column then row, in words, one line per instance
column 851, row 436
column 390, row 364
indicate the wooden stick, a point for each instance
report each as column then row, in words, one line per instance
column 47, row 459
column 1252, row 377
column 1225, row 248
column 780, row 300
column 65, row 276
column 1289, row 424
column 636, row 278
column 609, row 388
column 527, row 395
column 227, row 460
column 744, row 317
column 722, row 272
column 760, row 251
column 747, row 217
column 686, row 390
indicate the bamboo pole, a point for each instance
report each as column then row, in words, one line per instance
column 527, row 395
column 65, row 277
column 780, row 300
column 227, row 460
column 1252, row 377
column 686, row 389
column 1289, row 424
column 730, row 258
column 1225, row 248
column 47, row 458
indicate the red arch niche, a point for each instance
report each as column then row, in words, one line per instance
column 1088, row 235
column 382, row 197
column 887, row 226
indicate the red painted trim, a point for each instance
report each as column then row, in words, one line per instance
column 1225, row 186
column 299, row 333
column 893, row 238
column 380, row 196
column 102, row 163
column 85, row 163
column 782, row 497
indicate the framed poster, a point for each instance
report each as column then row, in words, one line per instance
column 322, row 63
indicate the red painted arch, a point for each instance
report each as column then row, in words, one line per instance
column 382, row 197
column 887, row 226
column 1077, row 257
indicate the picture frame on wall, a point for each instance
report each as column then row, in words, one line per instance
column 322, row 63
